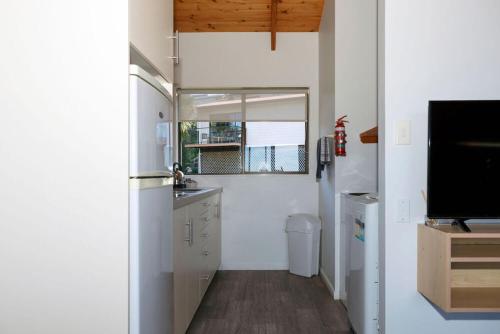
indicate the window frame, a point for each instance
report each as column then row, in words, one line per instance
column 244, row 92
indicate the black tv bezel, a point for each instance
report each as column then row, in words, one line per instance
column 429, row 116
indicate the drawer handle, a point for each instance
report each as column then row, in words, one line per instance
column 204, row 235
column 206, row 204
column 189, row 239
column 206, row 219
column 205, row 277
column 206, row 253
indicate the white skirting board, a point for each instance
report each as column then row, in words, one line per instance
column 253, row 266
column 328, row 284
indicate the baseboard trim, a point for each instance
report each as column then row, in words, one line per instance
column 253, row 266
column 328, row 284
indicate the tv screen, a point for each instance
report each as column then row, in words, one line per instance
column 463, row 173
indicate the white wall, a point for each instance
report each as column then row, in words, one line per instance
column 444, row 49
column 64, row 167
column 255, row 207
column 326, row 125
column 356, row 91
column 355, row 96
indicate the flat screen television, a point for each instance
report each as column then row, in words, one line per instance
column 463, row 173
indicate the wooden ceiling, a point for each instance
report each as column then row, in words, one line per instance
column 248, row 15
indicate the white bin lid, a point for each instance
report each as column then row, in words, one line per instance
column 303, row 222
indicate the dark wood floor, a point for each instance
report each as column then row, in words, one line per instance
column 268, row 302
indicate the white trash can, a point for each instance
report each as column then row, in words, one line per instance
column 303, row 244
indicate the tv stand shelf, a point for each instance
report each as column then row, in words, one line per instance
column 459, row 271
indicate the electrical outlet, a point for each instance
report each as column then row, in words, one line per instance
column 403, row 133
column 403, row 211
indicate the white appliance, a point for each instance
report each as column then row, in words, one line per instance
column 346, row 226
column 151, row 211
column 362, row 280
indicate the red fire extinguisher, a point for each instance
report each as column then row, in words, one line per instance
column 340, row 137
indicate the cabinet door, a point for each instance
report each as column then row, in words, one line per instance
column 212, row 246
column 151, row 24
column 203, row 226
column 216, row 234
column 205, row 273
column 192, row 281
column 181, row 249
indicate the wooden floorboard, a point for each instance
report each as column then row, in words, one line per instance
column 268, row 302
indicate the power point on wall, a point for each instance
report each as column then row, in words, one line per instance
column 403, row 211
column 403, row 133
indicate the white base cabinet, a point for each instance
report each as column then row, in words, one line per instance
column 197, row 256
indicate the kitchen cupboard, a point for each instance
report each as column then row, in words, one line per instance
column 197, row 256
column 151, row 24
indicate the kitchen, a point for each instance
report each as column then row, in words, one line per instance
column 163, row 160
column 238, row 202
column 201, row 103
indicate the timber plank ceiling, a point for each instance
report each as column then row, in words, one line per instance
column 247, row 16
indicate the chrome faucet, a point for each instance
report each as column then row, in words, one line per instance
column 179, row 179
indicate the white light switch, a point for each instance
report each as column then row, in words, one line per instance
column 403, row 211
column 403, row 133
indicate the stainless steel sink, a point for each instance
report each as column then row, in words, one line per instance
column 187, row 196
column 183, row 192
column 190, row 190
column 178, row 194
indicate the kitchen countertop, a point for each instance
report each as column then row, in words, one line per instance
column 191, row 198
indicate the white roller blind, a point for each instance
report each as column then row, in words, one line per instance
column 252, row 105
column 276, row 107
column 210, row 107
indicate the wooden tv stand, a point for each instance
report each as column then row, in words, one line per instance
column 459, row 271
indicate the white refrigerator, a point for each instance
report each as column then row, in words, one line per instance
column 151, row 211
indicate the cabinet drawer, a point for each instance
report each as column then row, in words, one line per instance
column 200, row 208
column 215, row 206
column 200, row 225
column 209, row 254
column 205, row 278
column 204, row 222
column 210, row 234
column 200, row 222
column 203, row 253
column 214, row 246
column 205, row 235
column 213, row 226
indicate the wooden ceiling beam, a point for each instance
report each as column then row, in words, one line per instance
column 274, row 21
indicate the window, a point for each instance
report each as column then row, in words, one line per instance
column 243, row 131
